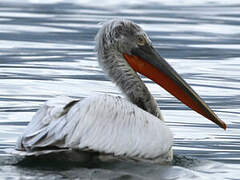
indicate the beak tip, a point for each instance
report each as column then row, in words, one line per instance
column 224, row 126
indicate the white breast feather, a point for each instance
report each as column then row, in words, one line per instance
column 101, row 123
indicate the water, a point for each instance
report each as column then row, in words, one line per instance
column 48, row 50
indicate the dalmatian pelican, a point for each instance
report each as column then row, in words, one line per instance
column 129, row 128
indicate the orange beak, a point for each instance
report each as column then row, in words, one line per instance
column 148, row 62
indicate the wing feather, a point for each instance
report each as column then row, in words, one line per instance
column 44, row 124
column 102, row 123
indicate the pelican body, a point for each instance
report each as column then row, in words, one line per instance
column 128, row 128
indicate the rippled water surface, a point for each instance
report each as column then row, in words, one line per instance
column 48, row 50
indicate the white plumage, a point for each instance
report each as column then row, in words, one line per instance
column 101, row 123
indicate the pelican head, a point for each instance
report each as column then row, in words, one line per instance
column 123, row 49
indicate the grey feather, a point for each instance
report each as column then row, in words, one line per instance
column 113, row 39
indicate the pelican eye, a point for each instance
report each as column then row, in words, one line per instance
column 141, row 40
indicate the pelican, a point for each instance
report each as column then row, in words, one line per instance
column 131, row 128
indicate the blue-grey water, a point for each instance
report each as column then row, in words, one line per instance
column 48, row 50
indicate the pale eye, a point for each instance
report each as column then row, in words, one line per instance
column 141, row 40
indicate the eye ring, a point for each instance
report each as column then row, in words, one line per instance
column 140, row 40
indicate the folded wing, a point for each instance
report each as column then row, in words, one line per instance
column 101, row 123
